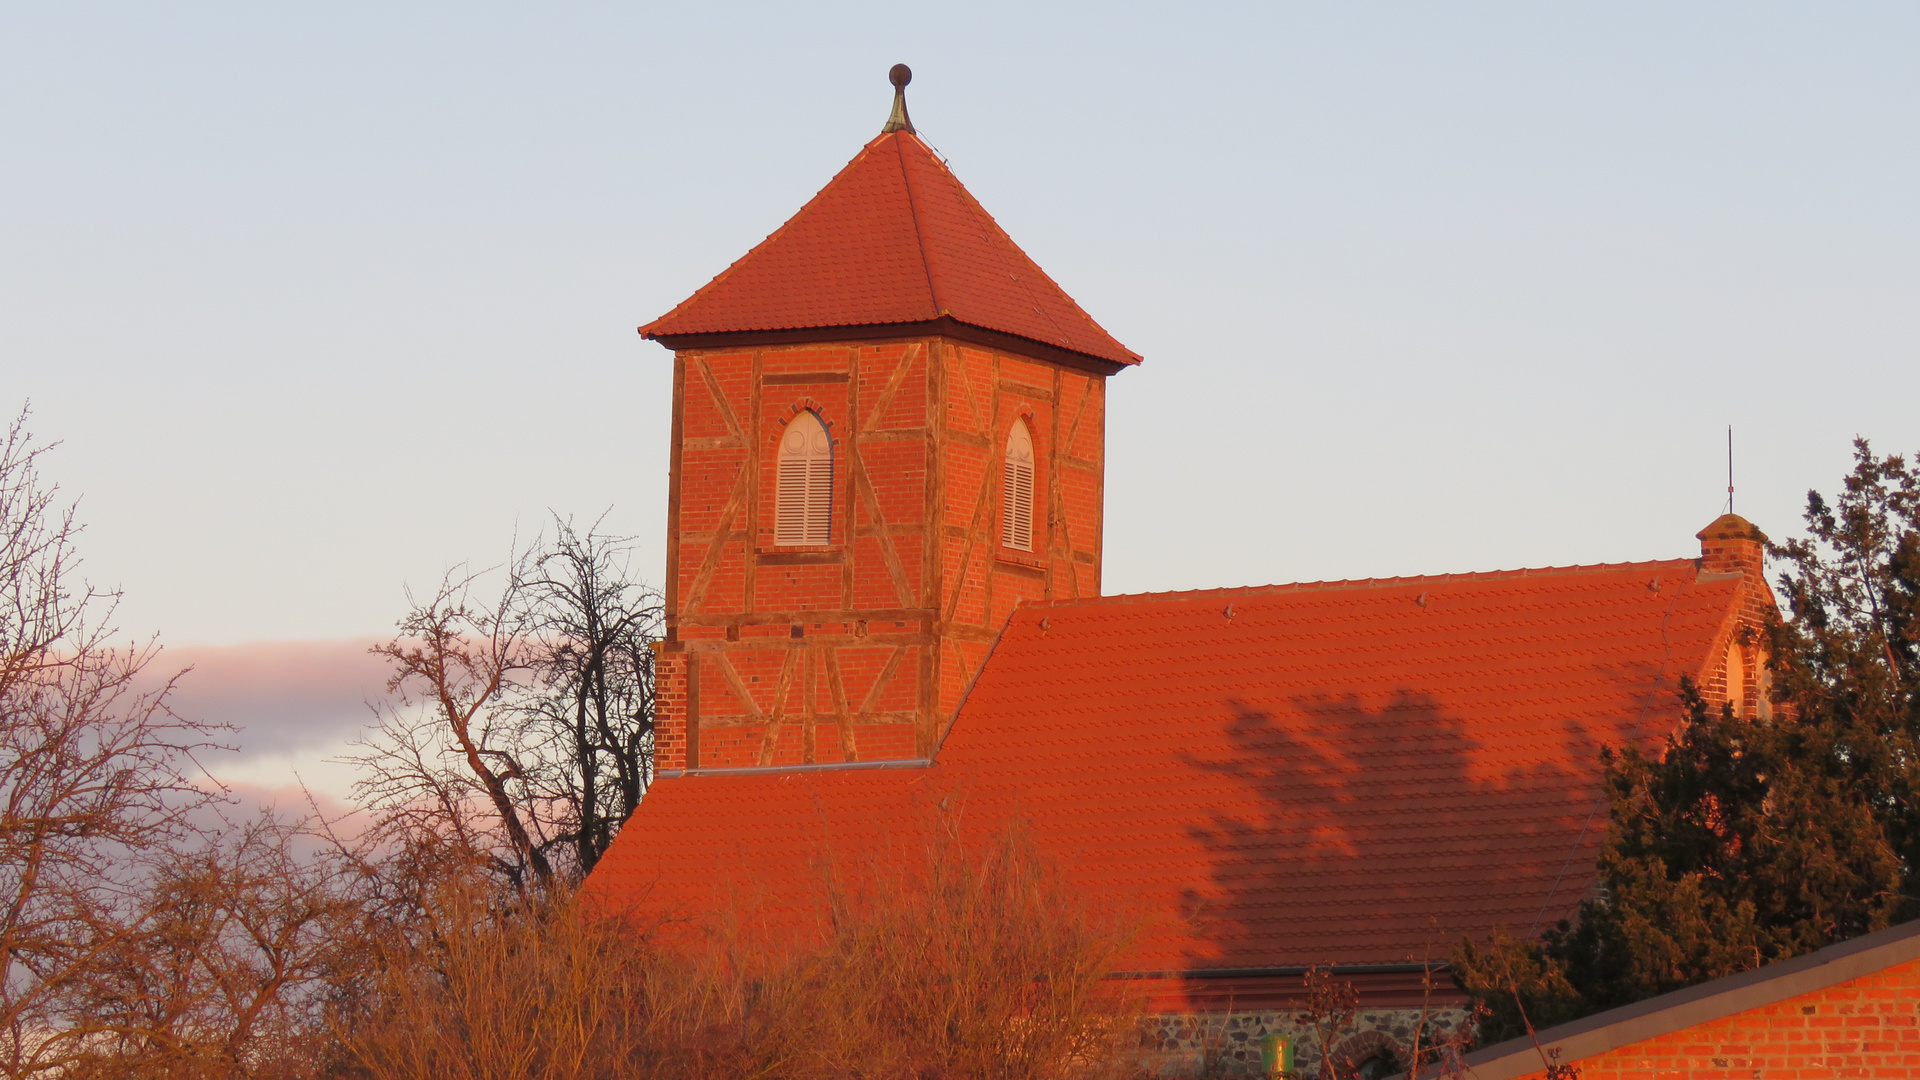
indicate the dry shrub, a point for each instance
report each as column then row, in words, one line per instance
column 983, row 966
column 228, row 969
column 491, row 986
column 976, row 965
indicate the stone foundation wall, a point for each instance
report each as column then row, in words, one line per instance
column 1207, row 1045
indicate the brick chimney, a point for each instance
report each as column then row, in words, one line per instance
column 1733, row 545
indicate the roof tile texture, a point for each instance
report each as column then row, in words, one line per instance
column 1355, row 772
column 893, row 238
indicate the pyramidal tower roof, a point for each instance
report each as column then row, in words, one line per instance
column 893, row 239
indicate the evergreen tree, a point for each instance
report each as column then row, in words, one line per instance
column 1750, row 841
column 1849, row 661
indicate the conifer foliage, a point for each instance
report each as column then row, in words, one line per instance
column 1849, row 661
column 1750, row 840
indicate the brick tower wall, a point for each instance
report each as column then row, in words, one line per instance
column 1733, row 545
column 861, row 648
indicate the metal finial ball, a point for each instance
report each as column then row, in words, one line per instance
column 901, row 75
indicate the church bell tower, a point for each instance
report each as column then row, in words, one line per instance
column 888, row 431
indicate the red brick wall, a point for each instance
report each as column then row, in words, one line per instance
column 861, row 648
column 1863, row 1028
column 1732, row 545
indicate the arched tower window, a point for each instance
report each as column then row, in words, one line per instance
column 1016, row 490
column 803, row 505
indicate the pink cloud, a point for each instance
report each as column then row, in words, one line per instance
column 280, row 696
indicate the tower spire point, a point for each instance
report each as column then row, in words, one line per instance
column 900, row 76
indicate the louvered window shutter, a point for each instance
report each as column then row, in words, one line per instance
column 819, row 500
column 803, row 504
column 1016, row 490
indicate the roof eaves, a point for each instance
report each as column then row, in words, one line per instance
column 976, row 333
column 1127, row 358
column 774, row 770
column 1701, row 1004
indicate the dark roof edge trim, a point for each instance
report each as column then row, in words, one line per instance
column 1281, row 972
column 945, row 326
column 1701, row 1004
column 769, row 770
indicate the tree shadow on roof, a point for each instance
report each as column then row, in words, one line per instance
column 1366, row 835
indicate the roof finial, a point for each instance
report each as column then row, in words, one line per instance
column 900, row 76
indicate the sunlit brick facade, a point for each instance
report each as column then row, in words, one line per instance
column 860, row 648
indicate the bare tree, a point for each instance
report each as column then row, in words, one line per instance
column 589, row 632
column 93, row 771
column 441, row 763
column 522, row 730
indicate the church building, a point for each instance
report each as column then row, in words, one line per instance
column 884, row 598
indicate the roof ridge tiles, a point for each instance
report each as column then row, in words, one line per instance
column 935, row 287
column 1376, row 583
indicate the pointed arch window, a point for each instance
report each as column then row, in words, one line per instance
column 803, row 503
column 1016, row 490
column 1737, row 678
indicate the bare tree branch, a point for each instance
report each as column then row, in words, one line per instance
column 94, row 772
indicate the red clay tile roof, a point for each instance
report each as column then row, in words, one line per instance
column 1349, row 772
column 894, row 238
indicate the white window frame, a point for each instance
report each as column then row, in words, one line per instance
column 803, row 485
column 1016, row 489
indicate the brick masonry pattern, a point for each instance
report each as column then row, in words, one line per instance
column 1868, row 1028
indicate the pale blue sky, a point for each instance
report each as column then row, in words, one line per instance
column 324, row 297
